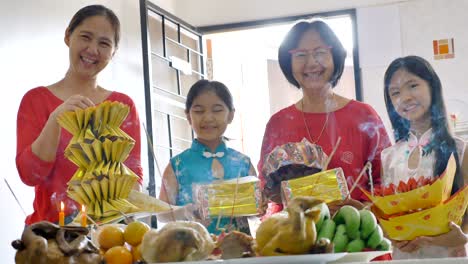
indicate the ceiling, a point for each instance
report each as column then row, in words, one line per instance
column 215, row 12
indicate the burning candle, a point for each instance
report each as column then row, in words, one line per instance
column 84, row 217
column 62, row 214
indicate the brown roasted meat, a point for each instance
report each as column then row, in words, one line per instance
column 291, row 232
column 235, row 244
column 45, row 242
column 177, row 241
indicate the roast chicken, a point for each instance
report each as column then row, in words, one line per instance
column 292, row 231
column 177, row 241
column 235, row 244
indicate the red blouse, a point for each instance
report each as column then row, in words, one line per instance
column 363, row 137
column 50, row 179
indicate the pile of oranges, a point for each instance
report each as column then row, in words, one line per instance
column 122, row 245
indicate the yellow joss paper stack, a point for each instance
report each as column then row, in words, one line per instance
column 236, row 197
column 327, row 185
column 423, row 211
column 99, row 147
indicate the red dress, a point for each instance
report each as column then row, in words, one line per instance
column 363, row 137
column 50, row 179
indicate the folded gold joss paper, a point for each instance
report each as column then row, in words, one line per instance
column 97, row 117
column 420, row 198
column 423, row 211
column 430, row 222
column 327, row 185
column 236, row 197
column 99, row 147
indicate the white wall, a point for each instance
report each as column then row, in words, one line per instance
column 214, row 12
column 408, row 28
column 167, row 5
column 379, row 43
column 439, row 20
column 33, row 53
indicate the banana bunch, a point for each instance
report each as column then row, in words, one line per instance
column 99, row 148
column 352, row 230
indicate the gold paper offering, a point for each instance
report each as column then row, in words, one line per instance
column 328, row 185
column 423, row 211
column 430, row 222
column 236, row 197
column 420, row 198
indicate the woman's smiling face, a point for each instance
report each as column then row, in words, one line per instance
column 312, row 62
column 91, row 46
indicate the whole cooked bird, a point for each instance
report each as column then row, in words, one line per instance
column 291, row 232
column 177, row 241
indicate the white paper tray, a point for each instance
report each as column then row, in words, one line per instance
column 299, row 259
column 296, row 259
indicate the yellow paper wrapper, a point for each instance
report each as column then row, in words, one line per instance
column 327, row 185
column 236, row 197
column 148, row 203
column 420, row 198
column 429, row 222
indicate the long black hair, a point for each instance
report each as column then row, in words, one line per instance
column 442, row 142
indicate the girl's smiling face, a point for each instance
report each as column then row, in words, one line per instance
column 410, row 95
column 91, row 46
column 209, row 117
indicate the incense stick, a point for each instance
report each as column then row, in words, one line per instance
column 327, row 161
column 219, row 220
column 359, row 178
column 14, row 196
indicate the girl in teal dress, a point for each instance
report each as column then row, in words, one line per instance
column 209, row 109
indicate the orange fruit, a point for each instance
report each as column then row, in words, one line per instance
column 118, row 255
column 110, row 236
column 136, row 253
column 134, row 232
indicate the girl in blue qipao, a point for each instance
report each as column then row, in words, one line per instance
column 209, row 109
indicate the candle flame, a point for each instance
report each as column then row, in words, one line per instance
column 62, row 206
column 83, row 208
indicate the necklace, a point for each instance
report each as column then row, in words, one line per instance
column 307, row 127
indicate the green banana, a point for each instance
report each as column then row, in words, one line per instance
column 350, row 216
column 356, row 245
column 340, row 240
column 327, row 230
column 368, row 223
column 375, row 238
column 385, row 244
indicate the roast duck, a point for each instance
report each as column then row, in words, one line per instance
column 48, row 243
